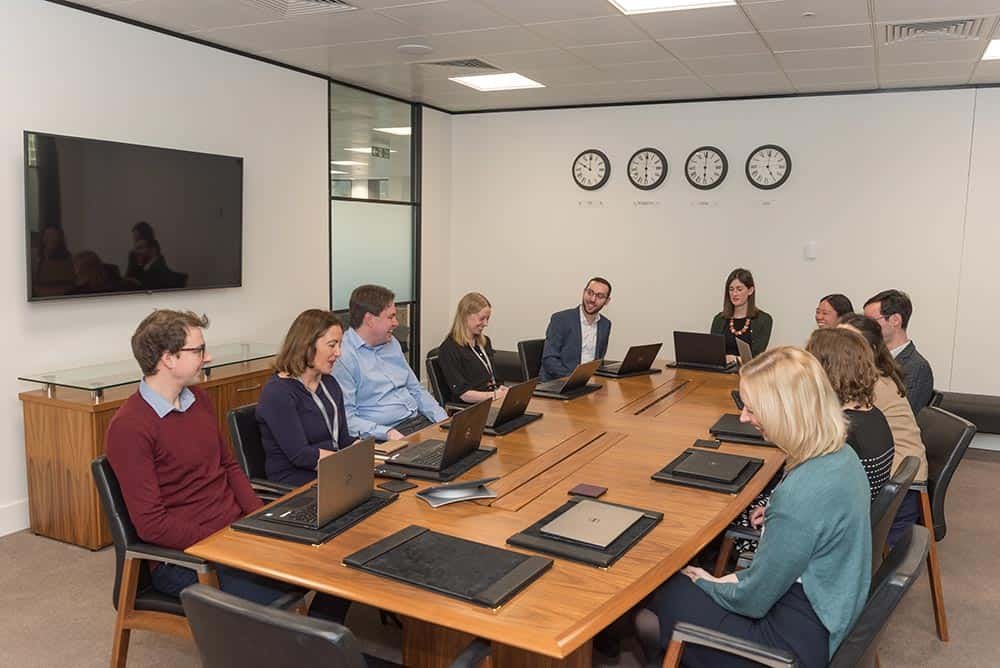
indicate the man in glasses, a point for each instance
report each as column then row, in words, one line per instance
column 892, row 309
column 578, row 334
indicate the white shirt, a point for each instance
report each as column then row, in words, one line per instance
column 588, row 332
column 895, row 351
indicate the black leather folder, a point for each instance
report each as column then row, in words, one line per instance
column 729, row 428
column 667, row 474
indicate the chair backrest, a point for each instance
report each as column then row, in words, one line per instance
column 123, row 533
column 223, row 624
column 886, row 505
column 247, row 446
column 937, row 396
column 890, row 583
column 946, row 438
column 507, row 366
column 530, row 352
column 436, row 379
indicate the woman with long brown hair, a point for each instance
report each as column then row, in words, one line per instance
column 740, row 318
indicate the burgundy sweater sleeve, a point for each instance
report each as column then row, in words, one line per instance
column 238, row 481
column 130, row 450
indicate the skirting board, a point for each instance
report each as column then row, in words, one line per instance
column 986, row 442
column 13, row 517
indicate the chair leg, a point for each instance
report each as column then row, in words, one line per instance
column 934, row 570
column 673, row 657
column 126, row 603
column 725, row 550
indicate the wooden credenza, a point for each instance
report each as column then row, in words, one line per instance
column 65, row 432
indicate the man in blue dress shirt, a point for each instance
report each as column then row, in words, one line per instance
column 382, row 396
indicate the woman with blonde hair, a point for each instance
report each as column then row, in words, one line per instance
column 809, row 580
column 466, row 354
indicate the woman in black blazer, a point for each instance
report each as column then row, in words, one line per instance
column 301, row 408
column 466, row 354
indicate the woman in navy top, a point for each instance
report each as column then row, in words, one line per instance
column 301, row 408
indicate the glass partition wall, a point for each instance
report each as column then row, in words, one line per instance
column 374, row 208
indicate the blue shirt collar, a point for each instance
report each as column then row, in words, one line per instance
column 160, row 405
column 355, row 340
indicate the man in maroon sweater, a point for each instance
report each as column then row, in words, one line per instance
column 179, row 478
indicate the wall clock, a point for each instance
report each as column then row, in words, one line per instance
column 591, row 169
column 647, row 168
column 768, row 166
column 706, row 167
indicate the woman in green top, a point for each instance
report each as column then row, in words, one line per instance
column 809, row 579
column 740, row 318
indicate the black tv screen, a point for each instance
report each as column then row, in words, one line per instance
column 104, row 217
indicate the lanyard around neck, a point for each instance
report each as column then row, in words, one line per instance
column 484, row 359
column 333, row 426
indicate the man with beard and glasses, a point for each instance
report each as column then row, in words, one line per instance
column 579, row 334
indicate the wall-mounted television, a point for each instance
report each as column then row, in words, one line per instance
column 105, row 217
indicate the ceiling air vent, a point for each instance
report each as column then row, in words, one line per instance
column 467, row 63
column 290, row 8
column 953, row 29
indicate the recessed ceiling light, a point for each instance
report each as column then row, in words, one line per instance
column 364, row 149
column 401, row 132
column 334, row 171
column 348, row 163
column 647, row 6
column 491, row 82
column 414, row 49
column 993, row 50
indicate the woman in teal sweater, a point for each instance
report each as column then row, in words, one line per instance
column 810, row 576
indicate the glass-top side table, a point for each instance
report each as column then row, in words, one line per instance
column 99, row 377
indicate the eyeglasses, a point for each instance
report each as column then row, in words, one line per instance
column 199, row 350
column 595, row 295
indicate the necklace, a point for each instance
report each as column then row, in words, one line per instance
column 741, row 332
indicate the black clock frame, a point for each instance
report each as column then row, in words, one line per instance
column 779, row 182
column 722, row 177
column 607, row 169
column 659, row 181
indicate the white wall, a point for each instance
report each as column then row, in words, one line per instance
column 436, row 303
column 69, row 72
column 879, row 182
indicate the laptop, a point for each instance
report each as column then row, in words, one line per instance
column 729, row 428
column 593, row 523
column 573, row 385
column 746, row 354
column 344, row 480
column 511, row 413
column 714, row 466
column 463, row 438
column 638, row 361
column 707, row 352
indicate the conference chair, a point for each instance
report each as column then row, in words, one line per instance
column 937, row 396
column 222, row 624
column 439, row 385
column 244, row 431
column 530, row 352
column 860, row 646
column 946, row 437
column 507, row 367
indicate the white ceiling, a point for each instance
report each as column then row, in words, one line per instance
column 587, row 52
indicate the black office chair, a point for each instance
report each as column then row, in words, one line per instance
column 222, row 624
column 937, row 396
column 859, row 648
column 530, row 352
column 507, row 367
column 249, row 451
column 439, row 385
column 946, row 437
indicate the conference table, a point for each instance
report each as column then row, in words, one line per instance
column 616, row 437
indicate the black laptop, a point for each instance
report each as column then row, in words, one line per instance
column 638, row 361
column 572, row 386
column 463, row 439
column 705, row 352
column 729, row 428
column 713, row 466
column 512, row 413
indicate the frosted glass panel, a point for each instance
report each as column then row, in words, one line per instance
column 372, row 243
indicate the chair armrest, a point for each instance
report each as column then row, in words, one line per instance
column 742, row 533
column 919, row 487
column 474, row 654
column 697, row 635
column 455, row 406
column 167, row 556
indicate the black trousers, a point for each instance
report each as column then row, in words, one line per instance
column 791, row 625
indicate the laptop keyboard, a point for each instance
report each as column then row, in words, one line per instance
column 302, row 515
column 550, row 386
column 430, row 458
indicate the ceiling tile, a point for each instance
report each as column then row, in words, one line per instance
column 582, row 32
column 628, row 52
column 661, row 69
column 856, row 56
column 717, row 45
column 788, row 14
column 819, row 38
column 756, row 62
column 959, row 72
column 446, row 16
column 536, row 11
column 314, row 58
column 561, row 76
column 920, row 83
column 541, row 58
column 987, row 71
column 750, row 84
column 475, row 42
column 693, row 22
column 930, row 50
column 836, row 87
column 186, row 17
column 833, row 75
column 926, row 10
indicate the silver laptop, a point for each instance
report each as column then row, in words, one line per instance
column 344, row 479
column 593, row 523
column 746, row 354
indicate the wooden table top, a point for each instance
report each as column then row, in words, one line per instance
column 616, row 437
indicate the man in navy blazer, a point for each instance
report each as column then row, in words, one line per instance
column 578, row 334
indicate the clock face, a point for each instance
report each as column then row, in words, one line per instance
column 706, row 167
column 647, row 168
column 591, row 169
column 768, row 167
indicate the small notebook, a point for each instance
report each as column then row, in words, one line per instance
column 592, row 523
